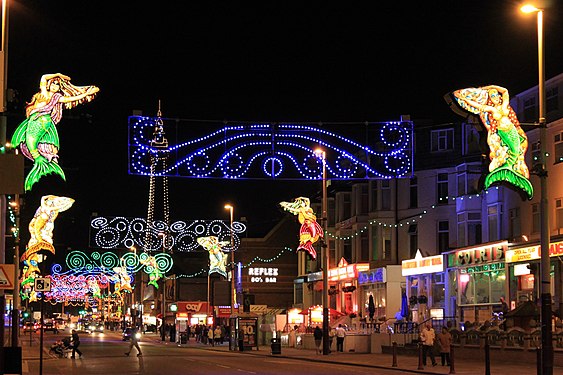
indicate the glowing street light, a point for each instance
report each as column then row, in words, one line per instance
column 546, row 367
column 324, row 244
column 233, row 284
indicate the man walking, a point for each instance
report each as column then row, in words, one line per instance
column 428, row 336
column 75, row 345
column 134, row 341
column 340, row 335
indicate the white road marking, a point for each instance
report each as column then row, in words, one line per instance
column 223, row 366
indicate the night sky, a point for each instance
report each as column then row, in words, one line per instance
column 262, row 61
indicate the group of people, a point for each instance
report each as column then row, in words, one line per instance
column 209, row 335
column 430, row 340
column 338, row 332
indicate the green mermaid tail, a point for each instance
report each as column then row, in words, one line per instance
column 42, row 167
column 506, row 174
column 38, row 140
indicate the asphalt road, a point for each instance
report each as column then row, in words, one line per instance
column 104, row 354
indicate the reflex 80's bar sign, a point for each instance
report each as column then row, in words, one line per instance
column 263, row 274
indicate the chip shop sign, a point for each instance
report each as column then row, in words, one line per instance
column 372, row 276
column 420, row 265
column 533, row 252
column 479, row 255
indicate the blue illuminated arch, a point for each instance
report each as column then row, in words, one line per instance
column 274, row 150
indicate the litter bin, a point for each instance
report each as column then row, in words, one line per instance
column 183, row 338
column 276, row 346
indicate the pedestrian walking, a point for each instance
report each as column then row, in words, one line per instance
column 445, row 341
column 75, row 345
column 318, row 335
column 134, row 342
column 331, row 336
column 340, row 335
column 427, row 337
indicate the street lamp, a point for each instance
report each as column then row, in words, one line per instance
column 546, row 336
column 163, row 302
column 325, row 249
column 233, row 284
column 133, row 303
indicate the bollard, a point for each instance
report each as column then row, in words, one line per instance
column 452, row 367
column 420, row 365
column 394, row 354
column 487, row 356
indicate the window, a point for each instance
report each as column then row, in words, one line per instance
column 385, row 194
column 474, row 228
column 347, row 253
column 413, row 202
column 363, row 201
column 386, row 254
column 559, row 213
column 461, row 190
column 413, row 240
column 530, row 110
column 374, row 243
column 364, row 244
column 535, row 218
column 438, row 290
column 442, row 188
column 493, row 213
column 481, row 287
column 514, row 229
column 558, row 142
column 443, row 236
column 442, row 140
column 552, row 99
column 374, row 195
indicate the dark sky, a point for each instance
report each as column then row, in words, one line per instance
column 267, row 61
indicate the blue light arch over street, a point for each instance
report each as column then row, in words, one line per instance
column 238, row 150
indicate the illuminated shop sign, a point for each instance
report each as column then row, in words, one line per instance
column 484, row 268
column 479, row 255
column 377, row 275
column 346, row 271
column 191, row 307
column 420, row 265
column 533, row 252
column 263, row 274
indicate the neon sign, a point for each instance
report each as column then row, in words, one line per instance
column 263, row 274
column 420, row 265
column 506, row 139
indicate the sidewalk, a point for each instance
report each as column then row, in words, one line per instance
column 377, row 361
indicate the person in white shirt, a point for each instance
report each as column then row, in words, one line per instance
column 340, row 335
column 427, row 337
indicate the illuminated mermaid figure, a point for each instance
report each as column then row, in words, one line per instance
column 506, row 139
column 310, row 231
column 37, row 135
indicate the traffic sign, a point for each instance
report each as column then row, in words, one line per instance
column 42, row 284
column 7, row 276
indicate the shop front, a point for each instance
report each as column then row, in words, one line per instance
column 343, row 282
column 524, row 273
column 381, row 291
column 193, row 313
column 476, row 281
column 425, row 281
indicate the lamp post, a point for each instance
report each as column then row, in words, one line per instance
column 163, row 302
column 133, row 302
column 546, row 336
column 325, row 254
column 233, row 284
